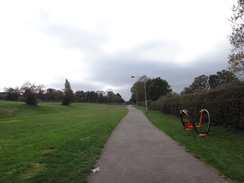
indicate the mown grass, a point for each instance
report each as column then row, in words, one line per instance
column 222, row 149
column 51, row 142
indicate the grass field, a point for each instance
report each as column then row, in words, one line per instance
column 51, row 142
column 55, row 143
column 222, row 149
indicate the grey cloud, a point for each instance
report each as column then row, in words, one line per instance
column 84, row 86
column 131, row 62
column 116, row 69
column 207, row 64
column 72, row 37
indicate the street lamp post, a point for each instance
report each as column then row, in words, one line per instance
column 145, row 91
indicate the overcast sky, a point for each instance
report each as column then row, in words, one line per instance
column 100, row 44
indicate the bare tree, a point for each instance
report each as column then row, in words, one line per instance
column 31, row 92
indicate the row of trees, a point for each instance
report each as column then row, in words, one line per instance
column 29, row 93
column 204, row 82
column 98, row 97
column 157, row 87
column 32, row 93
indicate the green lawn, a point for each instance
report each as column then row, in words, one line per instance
column 55, row 143
column 51, row 142
column 222, row 149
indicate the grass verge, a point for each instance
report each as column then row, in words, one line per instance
column 51, row 142
column 223, row 149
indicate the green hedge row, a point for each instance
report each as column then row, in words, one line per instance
column 225, row 105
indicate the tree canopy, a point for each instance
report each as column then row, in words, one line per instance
column 204, row 82
column 98, row 96
column 31, row 92
column 157, row 87
column 236, row 38
column 12, row 93
column 154, row 88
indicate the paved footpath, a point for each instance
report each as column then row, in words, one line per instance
column 138, row 152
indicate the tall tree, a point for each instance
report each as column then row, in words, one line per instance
column 119, row 98
column 200, row 83
column 92, row 96
column 53, row 94
column 110, row 95
column 204, row 82
column 114, row 98
column 12, row 93
column 138, row 89
column 80, row 96
column 157, row 87
column 68, row 94
column 48, row 94
column 102, row 98
column 213, row 81
column 186, row 90
column 236, row 38
column 57, row 94
column 225, row 77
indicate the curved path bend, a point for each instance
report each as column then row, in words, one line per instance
column 138, row 152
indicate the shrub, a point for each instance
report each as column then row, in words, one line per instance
column 31, row 92
column 225, row 104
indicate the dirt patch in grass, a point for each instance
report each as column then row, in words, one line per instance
column 3, row 143
column 32, row 170
column 4, row 112
column 9, row 121
column 46, row 151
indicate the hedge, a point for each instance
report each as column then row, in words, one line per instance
column 225, row 105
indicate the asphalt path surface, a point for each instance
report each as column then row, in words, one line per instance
column 138, row 152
